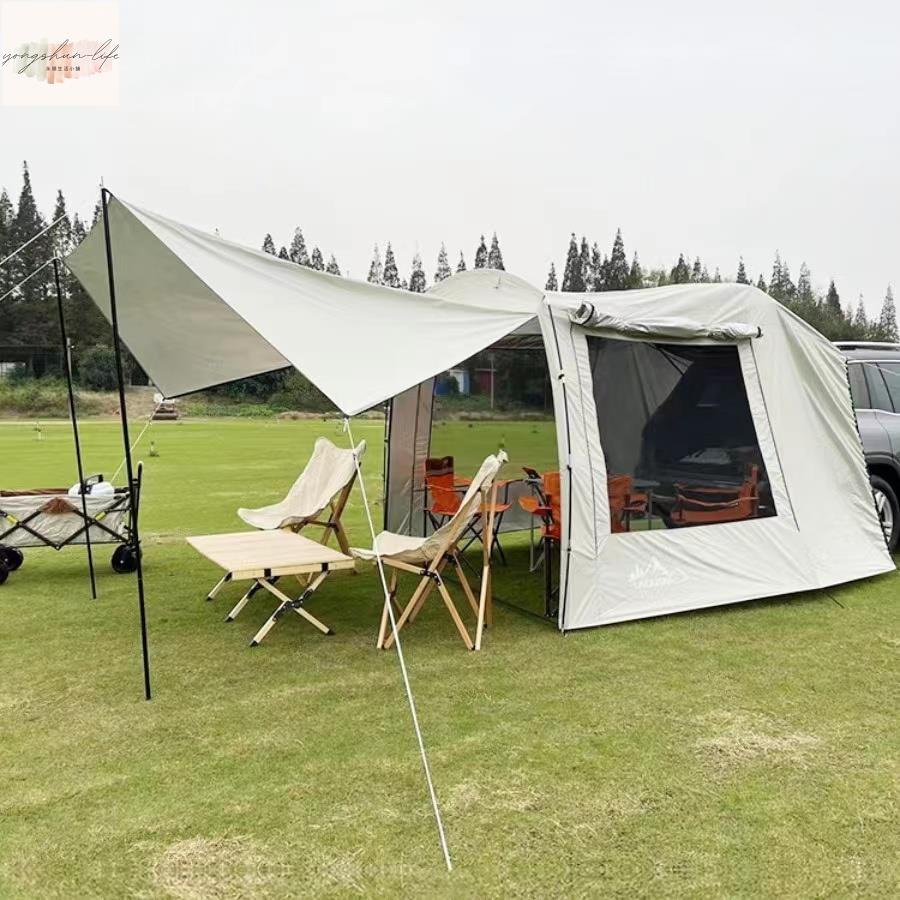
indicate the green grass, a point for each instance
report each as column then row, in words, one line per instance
column 743, row 751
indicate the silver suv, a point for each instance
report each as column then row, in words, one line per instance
column 875, row 386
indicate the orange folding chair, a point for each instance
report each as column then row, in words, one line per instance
column 624, row 502
column 445, row 490
column 708, row 505
column 546, row 504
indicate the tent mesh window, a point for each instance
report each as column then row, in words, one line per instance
column 678, row 436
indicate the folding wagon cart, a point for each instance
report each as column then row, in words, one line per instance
column 51, row 517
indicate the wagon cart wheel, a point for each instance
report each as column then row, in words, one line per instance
column 4, row 571
column 124, row 559
column 13, row 557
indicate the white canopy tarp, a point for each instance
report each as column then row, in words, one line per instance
column 197, row 311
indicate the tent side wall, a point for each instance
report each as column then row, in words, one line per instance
column 408, row 444
column 825, row 531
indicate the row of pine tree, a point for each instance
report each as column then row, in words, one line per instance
column 587, row 269
column 27, row 318
column 385, row 271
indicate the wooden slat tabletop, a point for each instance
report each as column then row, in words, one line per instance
column 283, row 552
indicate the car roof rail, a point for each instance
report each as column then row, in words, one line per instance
column 866, row 345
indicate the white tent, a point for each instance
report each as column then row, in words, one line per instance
column 744, row 391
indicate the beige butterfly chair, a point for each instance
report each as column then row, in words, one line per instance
column 428, row 556
column 317, row 499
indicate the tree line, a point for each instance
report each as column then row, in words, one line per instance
column 385, row 271
column 28, row 325
column 586, row 269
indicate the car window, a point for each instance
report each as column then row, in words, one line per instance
column 878, row 392
column 858, row 389
column 891, row 373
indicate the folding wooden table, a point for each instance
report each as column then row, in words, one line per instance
column 265, row 556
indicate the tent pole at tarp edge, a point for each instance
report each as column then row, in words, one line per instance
column 123, row 416
column 67, row 366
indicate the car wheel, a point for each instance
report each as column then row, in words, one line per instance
column 4, row 571
column 888, row 510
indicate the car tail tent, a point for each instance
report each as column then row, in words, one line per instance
column 723, row 420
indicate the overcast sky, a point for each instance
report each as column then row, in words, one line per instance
column 712, row 128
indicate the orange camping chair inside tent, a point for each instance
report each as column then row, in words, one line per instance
column 444, row 495
column 708, row 505
column 547, row 506
column 624, row 502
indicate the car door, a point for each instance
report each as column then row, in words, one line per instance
column 869, row 393
column 890, row 419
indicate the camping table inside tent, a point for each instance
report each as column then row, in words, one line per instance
column 265, row 556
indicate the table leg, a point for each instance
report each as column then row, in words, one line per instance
column 295, row 605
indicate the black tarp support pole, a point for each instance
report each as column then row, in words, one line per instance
column 123, row 415
column 74, row 416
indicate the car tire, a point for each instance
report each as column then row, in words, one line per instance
column 888, row 509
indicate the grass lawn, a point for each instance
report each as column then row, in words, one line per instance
column 743, row 751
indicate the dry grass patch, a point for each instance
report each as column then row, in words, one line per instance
column 742, row 738
column 220, row 868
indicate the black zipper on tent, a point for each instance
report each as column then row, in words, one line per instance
column 433, row 386
column 561, row 378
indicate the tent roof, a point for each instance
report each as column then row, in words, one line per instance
column 197, row 311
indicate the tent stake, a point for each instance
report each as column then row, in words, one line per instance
column 123, row 415
column 74, row 416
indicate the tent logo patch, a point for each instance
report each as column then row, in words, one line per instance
column 59, row 54
column 652, row 575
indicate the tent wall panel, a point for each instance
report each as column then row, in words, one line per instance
column 809, row 444
column 409, row 443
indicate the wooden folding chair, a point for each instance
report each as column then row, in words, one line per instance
column 323, row 487
column 428, row 557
